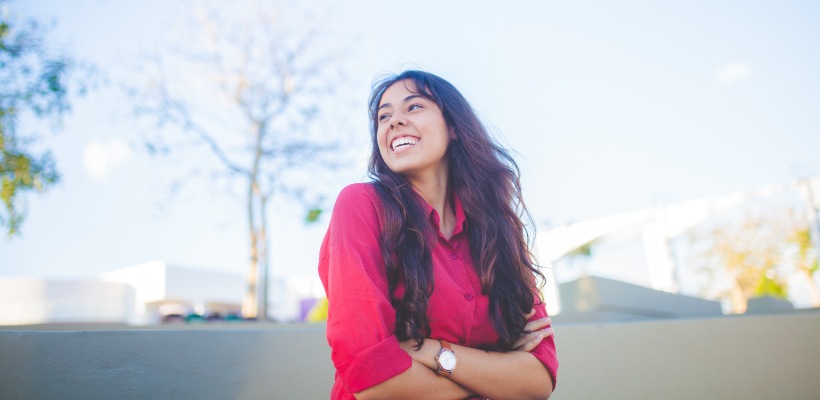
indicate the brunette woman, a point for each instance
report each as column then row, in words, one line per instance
column 431, row 285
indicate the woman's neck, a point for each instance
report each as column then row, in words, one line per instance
column 435, row 192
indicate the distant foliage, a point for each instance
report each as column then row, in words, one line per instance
column 32, row 81
column 805, row 259
column 753, row 255
column 581, row 255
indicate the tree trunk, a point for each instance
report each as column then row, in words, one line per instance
column 815, row 293
column 257, row 299
column 739, row 299
column 263, row 259
column 249, row 305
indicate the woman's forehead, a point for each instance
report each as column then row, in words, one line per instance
column 399, row 89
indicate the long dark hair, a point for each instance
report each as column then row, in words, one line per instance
column 486, row 180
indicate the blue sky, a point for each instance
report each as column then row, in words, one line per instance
column 610, row 107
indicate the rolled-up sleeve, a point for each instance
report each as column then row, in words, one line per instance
column 361, row 320
column 545, row 351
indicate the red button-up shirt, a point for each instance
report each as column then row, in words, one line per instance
column 361, row 320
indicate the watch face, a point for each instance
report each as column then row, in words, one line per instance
column 447, row 359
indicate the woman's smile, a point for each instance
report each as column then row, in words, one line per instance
column 412, row 134
column 403, row 143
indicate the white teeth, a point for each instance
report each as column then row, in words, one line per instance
column 404, row 141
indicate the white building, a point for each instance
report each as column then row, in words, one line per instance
column 162, row 289
column 145, row 293
column 29, row 301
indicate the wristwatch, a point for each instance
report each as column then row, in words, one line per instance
column 446, row 359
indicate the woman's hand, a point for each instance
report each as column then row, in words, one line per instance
column 534, row 332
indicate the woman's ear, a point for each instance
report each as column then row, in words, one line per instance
column 452, row 133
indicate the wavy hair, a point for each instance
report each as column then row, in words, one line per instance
column 486, row 179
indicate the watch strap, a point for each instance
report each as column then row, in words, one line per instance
column 445, row 344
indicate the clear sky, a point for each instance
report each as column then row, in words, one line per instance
column 610, row 107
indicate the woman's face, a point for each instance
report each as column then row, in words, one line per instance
column 412, row 134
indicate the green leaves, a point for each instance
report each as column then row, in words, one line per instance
column 313, row 215
column 772, row 285
column 20, row 173
column 34, row 82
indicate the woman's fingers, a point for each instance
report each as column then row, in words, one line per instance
column 528, row 342
column 534, row 332
column 530, row 328
column 537, row 324
column 524, row 339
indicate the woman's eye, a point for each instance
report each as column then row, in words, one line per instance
column 384, row 117
column 413, row 107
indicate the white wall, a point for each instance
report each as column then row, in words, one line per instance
column 36, row 301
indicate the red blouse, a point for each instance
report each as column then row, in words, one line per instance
column 361, row 320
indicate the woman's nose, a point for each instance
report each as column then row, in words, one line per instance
column 397, row 119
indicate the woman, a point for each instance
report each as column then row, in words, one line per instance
column 430, row 282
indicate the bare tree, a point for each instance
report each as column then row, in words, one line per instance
column 248, row 89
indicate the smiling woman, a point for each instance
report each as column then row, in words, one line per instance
column 411, row 134
column 430, row 282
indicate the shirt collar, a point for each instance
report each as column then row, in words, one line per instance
column 435, row 219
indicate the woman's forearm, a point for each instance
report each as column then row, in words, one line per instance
column 418, row 382
column 510, row 375
column 495, row 375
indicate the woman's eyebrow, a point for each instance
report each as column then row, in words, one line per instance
column 406, row 99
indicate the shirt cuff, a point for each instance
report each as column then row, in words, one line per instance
column 375, row 365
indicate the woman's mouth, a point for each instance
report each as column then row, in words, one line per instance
column 403, row 142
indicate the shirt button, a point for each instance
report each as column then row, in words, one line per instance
column 461, row 341
column 468, row 296
column 454, row 256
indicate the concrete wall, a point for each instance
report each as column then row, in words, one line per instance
column 279, row 363
column 596, row 299
column 745, row 357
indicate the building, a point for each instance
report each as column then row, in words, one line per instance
column 29, row 301
column 149, row 293
column 163, row 290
